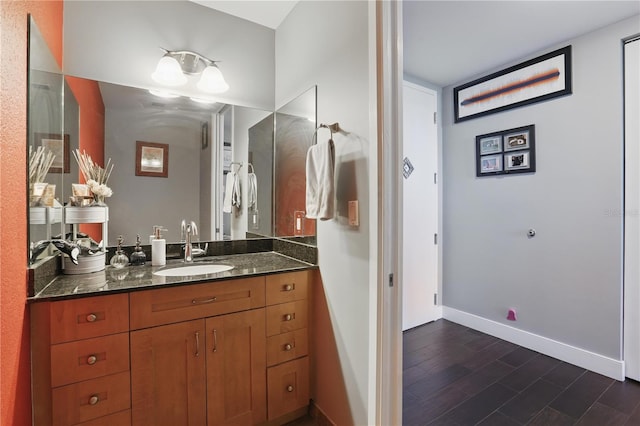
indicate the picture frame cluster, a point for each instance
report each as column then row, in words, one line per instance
column 509, row 151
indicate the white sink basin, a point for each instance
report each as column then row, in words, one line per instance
column 182, row 271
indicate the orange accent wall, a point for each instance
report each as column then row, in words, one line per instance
column 91, row 106
column 15, row 393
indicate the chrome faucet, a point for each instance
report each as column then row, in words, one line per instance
column 187, row 231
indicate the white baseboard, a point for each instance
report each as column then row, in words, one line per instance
column 591, row 361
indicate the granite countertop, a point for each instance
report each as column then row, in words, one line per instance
column 133, row 278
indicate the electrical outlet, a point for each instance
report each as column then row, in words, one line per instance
column 354, row 219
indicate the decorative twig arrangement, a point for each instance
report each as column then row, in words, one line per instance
column 40, row 161
column 95, row 176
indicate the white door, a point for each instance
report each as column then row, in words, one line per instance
column 419, row 207
column 632, row 209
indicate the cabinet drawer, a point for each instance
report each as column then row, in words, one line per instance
column 123, row 418
column 287, row 346
column 89, row 317
column 91, row 399
column 183, row 303
column 286, row 317
column 286, row 287
column 87, row 359
column 288, row 386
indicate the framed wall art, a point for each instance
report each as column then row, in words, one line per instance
column 152, row 159
column 59, row 146
column 539, row 79
column 506, row 152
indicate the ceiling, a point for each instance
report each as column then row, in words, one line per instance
column 264, row 12
column 448, row 42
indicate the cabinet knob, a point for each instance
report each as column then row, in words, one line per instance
column 288, row 347
column 92, row 317
column 288, row 287
column 289, row 388
column 289, row 317
column 92, row 359
column 93, row 400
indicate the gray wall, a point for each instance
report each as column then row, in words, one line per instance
column 328, row 44
column 566, row 283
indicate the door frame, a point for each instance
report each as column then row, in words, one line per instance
column 631, row 324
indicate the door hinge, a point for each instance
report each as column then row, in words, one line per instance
column 435, row 178
column 435, row 299
column 435, row 239
column 390, row 280
column 435, row 118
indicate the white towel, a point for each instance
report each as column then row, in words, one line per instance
column 229, row 190
column 320, row 189
column 252, row 192
column 236, row 195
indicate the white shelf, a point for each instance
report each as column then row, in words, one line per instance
column 93, row 214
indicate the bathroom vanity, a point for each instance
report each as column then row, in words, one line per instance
column 227, row 348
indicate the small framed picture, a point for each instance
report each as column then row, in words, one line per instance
column 517, row 140
column 59, row 146
column 152, row 159
column 518, row 160
column 490, row 144
column 490, row 164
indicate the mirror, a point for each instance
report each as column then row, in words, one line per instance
column 46, row 91
column 135, row 208
column 202, row 140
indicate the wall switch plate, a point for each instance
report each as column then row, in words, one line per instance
column 354, row 219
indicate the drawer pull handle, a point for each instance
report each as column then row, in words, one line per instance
column 289, row 287
column 92, row 359
column 92, row 318
column 289, row 317
column 289, row 388
column 198, row 302
column 288, row 347
column 215, row 340
column 94, row 400
column 197, row 344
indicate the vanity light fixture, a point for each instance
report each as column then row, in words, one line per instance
column 174, row 66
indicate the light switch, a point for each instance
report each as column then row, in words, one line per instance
column 354, row 219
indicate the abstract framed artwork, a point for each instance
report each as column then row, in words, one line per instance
column 539, row 79
column 152, row 159
column 506, row 152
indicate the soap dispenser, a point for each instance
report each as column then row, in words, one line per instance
column 119, row 260
column 138, row 257
column 158, row 247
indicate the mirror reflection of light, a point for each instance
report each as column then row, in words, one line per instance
column 203, row 101
column 151, row 162
column 163, row 94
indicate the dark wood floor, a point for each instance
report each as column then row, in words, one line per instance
column 457, row 376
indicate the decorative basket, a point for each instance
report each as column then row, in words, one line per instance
column 86, row 264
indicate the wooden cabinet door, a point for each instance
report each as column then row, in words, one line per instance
column 236, row 365
column 168, row 376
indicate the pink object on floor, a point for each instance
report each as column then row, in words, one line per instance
column 511, row 316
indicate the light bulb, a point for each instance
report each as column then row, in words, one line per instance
column 169, row 72
column 212, row 80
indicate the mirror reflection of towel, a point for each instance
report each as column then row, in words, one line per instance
column 320, row 186
column 252, row 192
column 232, row 197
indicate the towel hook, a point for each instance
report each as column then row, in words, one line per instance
column 250, row 167
column 239, row 164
